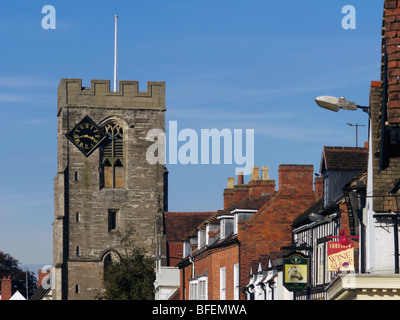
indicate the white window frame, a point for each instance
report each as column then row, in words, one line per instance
column 222, row 233
column 236, row 284
column 222, row 283
column 193, row 287
column 320, row 263
column 198, row 289
column 202, row 293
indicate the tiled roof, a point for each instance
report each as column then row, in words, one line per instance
column 344, row 158
column 178, row 224
column 248, row 203
column 359, row 180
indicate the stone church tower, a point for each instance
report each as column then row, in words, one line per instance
column 104, row 188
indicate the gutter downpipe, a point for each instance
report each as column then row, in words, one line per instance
column 192, row 262
column 396, row 243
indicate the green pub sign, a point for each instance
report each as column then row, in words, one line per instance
column 296, row 268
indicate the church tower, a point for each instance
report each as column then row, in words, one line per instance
column 104, row 187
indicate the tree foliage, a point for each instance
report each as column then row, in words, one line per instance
column 9, row 268
column 132, row 276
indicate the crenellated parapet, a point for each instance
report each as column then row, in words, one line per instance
column 72, row 94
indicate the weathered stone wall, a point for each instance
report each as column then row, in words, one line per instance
column 139, row 202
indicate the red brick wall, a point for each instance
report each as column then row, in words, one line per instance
column 318, row 186
column 270, row 228
column 296, row 179
column 391, row 33
column 259, row 187
column 6, row 289
column 211, row 263
column 186, row 273
column 228, row 197
column 175, row 252
column 240, row 192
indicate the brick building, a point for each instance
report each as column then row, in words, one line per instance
column 255, row 220
column 176, row 225
column 379, row 233
column 343, row 177
column 8, row 292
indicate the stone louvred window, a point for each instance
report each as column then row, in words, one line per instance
column 112, row 162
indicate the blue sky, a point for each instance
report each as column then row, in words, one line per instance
column 254, row 64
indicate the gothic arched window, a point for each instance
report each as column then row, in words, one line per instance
column 112, row 162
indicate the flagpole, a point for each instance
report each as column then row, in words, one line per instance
column 115, row 52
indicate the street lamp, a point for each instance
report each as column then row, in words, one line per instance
column 316, row 217
column 335, row 104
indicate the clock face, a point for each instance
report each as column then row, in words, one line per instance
column 86, row 136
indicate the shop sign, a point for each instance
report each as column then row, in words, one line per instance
column 296, row 268
column 340, row 257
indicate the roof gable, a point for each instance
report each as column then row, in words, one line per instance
column 343, row 158
column 178, row 224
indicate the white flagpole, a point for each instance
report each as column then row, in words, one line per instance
column 115, row 53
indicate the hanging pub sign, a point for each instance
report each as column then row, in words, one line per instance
column 296, row 267
column 341, row 253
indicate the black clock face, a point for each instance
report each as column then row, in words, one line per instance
column 86, row 136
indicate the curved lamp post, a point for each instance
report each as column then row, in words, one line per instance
column 335, row 104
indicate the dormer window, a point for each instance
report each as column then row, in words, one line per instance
column 241, row 215
column 226, row 226
column 201, row 234
column 235, row 223
column 187, row 248
column 211, row 230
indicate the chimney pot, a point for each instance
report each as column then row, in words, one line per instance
column 264, row 173
column 240, row 178
column 255, row 175
column 231, row 183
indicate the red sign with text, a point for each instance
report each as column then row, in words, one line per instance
column 340, row 257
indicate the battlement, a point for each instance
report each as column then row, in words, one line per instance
column 72, row 94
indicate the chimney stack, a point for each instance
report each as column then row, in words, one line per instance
column 296, row 179
column 318, row 185
column 228, row 193
column 260, row 187
column 6, row 288
column 241, row 190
